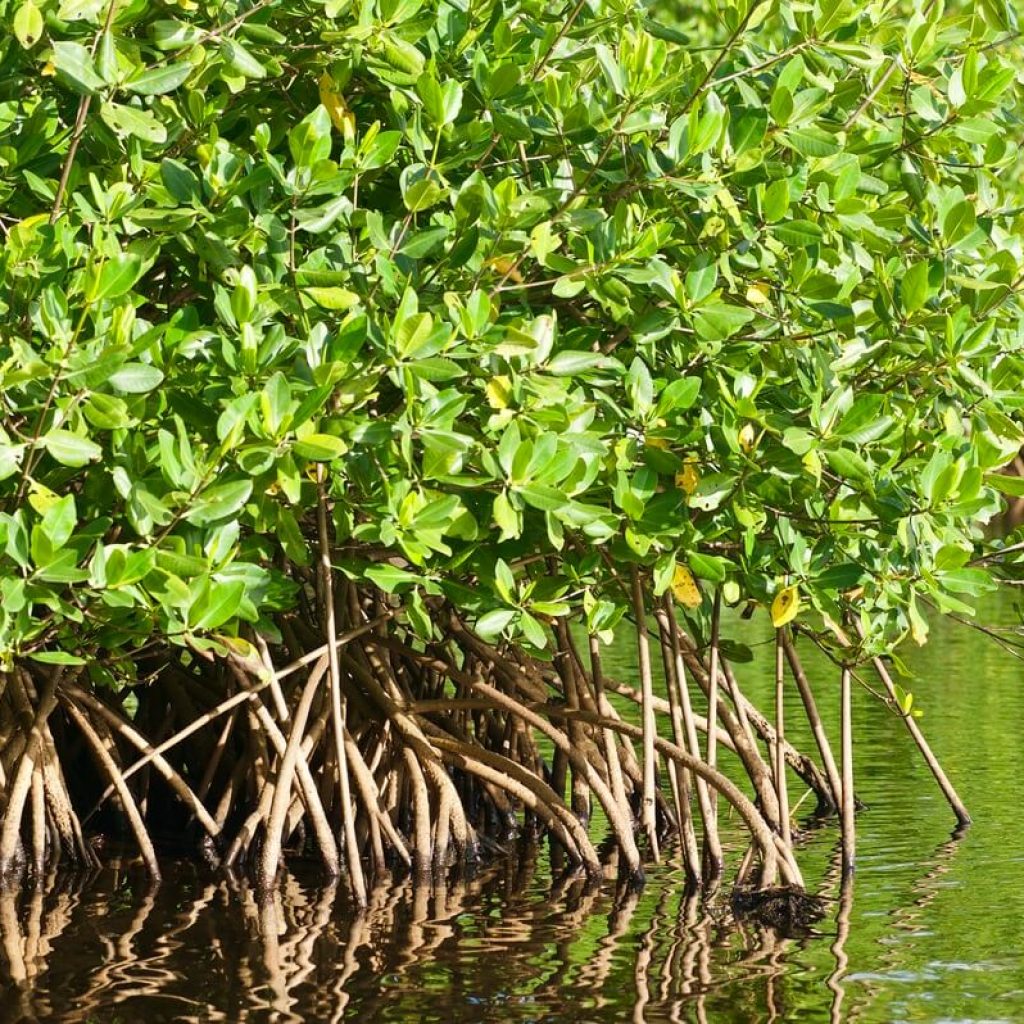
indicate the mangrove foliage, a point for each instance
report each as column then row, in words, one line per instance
column 367, row 365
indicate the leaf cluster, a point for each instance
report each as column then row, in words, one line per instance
column 547, row 289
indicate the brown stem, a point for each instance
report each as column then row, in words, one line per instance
column 712, row 869
column 378, row 818
column 21, row 782
column 38, row 824
column 128, row 804
column 963, row 817
column 271, row 854
column 170, row 775
column 621, row 825
column 780, row 735
column 421, row 845
column 611, row 751
column 847, row 814
column 307, row 784
column 680, row 777
column 527, row 788
column 715, row 860
column 648, row 807
column 811, row 708
column 774, row 853
column 355, row 867
column 761, row 774
column 567, row 669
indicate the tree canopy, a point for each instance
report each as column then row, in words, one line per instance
column 730, row 293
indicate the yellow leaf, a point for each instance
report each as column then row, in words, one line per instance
column 341, row 117
column 507, row 267
column 688, row 477
column 785, row 607
column 727, row 202
column 41, row 498
column 812, row 463
column 28, row 25
column 684, row 588
column 758, row 293
column 499, row 392
column 332, row 297
column 918, row 623
column 746, row 436
column 661, row 443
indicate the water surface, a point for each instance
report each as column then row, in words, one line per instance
column 934, row 932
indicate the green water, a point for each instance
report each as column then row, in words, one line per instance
column 934, row 932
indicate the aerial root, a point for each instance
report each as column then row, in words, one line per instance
column 354, row 741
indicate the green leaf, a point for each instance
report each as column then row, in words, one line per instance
column 491, row 625
column 798, row 232
column 136, row 378
column 106, row 58
column 506, row 517
column 442, row 101
column 423, row 243
column 1011, row 485
column 10, row 459
column 858, row 420
column 914, row 287
column 678, row 396
column 180, row 180
column 640, row 387
column 707, row 567
column 701, row 279
column 219, row 502
column 844, row 576
column 320, row 447
column 239, row 59
column 222, row 602
column 338, row 299
column 310, row 140
column 125, row 120
column 74, row 66
column 63, row 568
column 114, row 277
column 57, row 658
column 776, row 200
column 973, row 582
column 174, row 35
column 720, row 320
column 59, row 522
column 422, row 194
column 848, row 463
column 380, row 150
column 569, row 363
column 533, row 631
column 812, row 142
column 159, row 80
column 958, row 222
column 390, row 578
column 542, row 496
column 71, row 449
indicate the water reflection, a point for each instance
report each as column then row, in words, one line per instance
column 509, row 944
column 513, row 943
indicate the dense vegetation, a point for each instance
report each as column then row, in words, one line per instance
column 363, row 360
